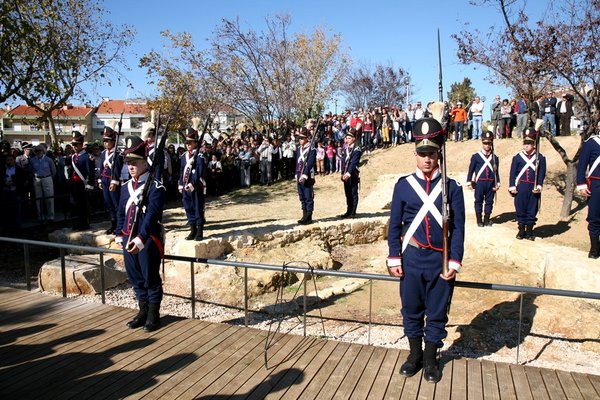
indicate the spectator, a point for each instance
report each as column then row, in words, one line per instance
column 459, row 115
column 12, row 192
column 496, row 115
column 504, row 121
column 522, row 110
column 477, row 111
column 44, row 171
column 549, row 112
column 564, row 108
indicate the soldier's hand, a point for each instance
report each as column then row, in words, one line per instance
column 471, row 185
column 536, row 190
column 112, row 187
column 396, row 271
column 585, row 192
column 132, row 248
column 100, row 185
column 451, row 274
column 302, row 180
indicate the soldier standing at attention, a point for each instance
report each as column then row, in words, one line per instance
column 483, row 176
column 109, row 180
column 143, row 253
column 306, row 158
column 351, row 173
column 527, row 173
column 415, row 242
column 81, row 181
column 588, row 185
column 192, row 185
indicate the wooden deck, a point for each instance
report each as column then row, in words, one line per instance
column 60, row 349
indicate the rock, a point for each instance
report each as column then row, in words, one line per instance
column 94, row 237
column 82, row 274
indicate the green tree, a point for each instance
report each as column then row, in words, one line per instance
column 58, row 46
column 461, row 91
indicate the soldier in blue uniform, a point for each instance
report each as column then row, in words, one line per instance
column 527, row 173
column 350, row 173
column 192, row 185
column 415, row 244
column 483, row 176
column 306, row 158
column 109, row 181
column 142, row 253
column 588, row 185
column 81, row 180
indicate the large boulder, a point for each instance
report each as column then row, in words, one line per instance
column 82, row 274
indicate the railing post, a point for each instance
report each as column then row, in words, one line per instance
column 520, row 320
column 63, row 273
column 27, row 266
column 306, row 277
column 193, row 289
column 370, row 308
column 246, row 297
column 102, row 278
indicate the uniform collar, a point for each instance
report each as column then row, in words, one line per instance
column 434, row 174
column 142, row 178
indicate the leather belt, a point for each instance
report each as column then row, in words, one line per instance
column 412, row 242
column 42, row 177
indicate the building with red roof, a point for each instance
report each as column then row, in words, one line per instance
column 134, row 113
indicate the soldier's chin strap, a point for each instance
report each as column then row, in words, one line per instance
column 279, row 301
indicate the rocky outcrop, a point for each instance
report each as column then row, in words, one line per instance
column 82, row 274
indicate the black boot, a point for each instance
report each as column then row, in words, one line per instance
column 113, row 226
column 479, row 221
column 346, row 214
column 529, row 232
column 414, row 362
column 199, row 233
column 140, row 319
column 595, row 247
column 431, row 367
column 193, row 232
column 486, row 220
column 303, row 219
column 521, row 234
column 153, row 321
column 353, row 212
column 308, row 219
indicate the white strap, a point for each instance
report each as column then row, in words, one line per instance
column 596, row 161
column 188, row 165
column 77, row 171
column 108, row 158
column 529, row 164
column 487, row 163
column 134, row 195
column 428, row 206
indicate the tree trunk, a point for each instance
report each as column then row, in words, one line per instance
column 52, row 128
column 570, row 178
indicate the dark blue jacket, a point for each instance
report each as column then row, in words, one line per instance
column 589, row 153
column 477, row 162
column 527, row 176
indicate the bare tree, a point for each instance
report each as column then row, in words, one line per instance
column 381, row 85
column 559, row 50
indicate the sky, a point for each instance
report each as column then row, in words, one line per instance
column 398, row 32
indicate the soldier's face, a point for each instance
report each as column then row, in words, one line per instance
column 427, row 161
column 137, row 167
column 108, row 144
column 528, row 147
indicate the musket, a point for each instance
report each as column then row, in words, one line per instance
column 197, row 149
column 494, row 170
column 444, row 177
column 144, row 197
column 116, row 174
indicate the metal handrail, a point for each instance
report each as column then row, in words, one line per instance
column 281, row 268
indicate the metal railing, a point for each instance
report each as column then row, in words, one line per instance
column 307, row 272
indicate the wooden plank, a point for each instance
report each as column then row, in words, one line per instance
column 96, row 368
column 284, row 374
column 279, row 353
column 595, row 380
column 490, row 380
column 389, row 367
column 337, row 376
column 426, row 390
column 536, row 383
column 206, row 361
column 209, row 360
column 506, row 386
column 49, row 362
column 443, row 389
column 396, row 384
column 474, row 383
column 585, row 386
column 296, row 387
column 108, row 377
column 569, row 386
column 367, row 379
column 459, row 379
column 322, row 375
column 553, row 386
column 520, row 382
column 411, row 386
column 353, row 376
column 250, row 363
